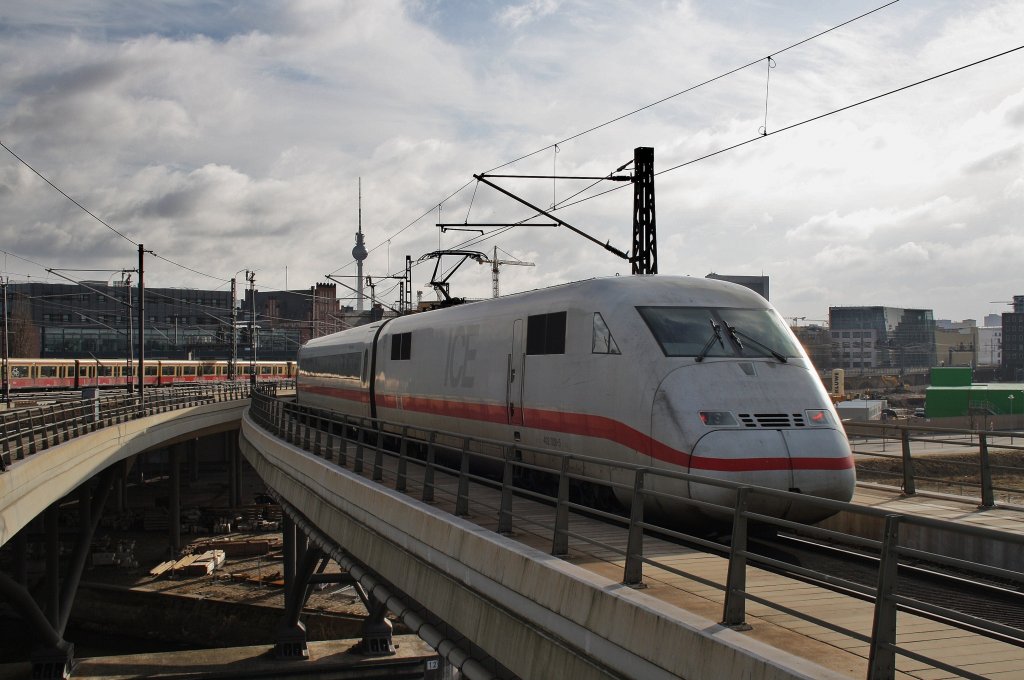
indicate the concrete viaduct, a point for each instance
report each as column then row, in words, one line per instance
column 492, row 606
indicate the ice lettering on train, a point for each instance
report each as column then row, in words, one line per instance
column 459, row 370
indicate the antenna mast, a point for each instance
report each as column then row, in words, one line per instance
column 359, row 252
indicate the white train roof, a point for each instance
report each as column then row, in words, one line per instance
column 612, row 292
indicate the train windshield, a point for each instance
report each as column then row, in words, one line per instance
column 719, row 332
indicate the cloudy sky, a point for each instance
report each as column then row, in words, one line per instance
column 229, row 135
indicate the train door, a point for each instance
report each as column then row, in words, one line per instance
column 515, row 376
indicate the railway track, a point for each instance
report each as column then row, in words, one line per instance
column 990, row 600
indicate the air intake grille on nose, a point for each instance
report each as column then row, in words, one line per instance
column 772, row 419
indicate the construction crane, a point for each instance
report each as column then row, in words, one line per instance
column 495, row 263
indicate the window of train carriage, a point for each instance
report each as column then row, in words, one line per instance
column 686, row 331
column 401, row 346
column 167, row 370
column 366, row 365
column 20, row 371
column 151, row 371
column 760, row 332
column 545, row 333
column 718, row 332
column 209, row 369
column 47, row 371
column 188, row 370
column 603, row 342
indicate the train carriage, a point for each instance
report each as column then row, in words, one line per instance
column 56, row 374
column 696, row 375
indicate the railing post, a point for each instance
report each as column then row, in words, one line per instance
column 51, row 435
column 882, row 657
column 278, row 414
column 329, row 445
column 63, row 434
column 462, row 497
column 32, row 433
column 5, row 457
column 402, row 463
column 428, row 471
column 734, row 614
column 21, row 432
column 343, row 449
column 987, row 496
column 357, row 465
column 908, row 464
column 560, row 541
column 507, row 477
column 317, row 445
column 378, row 456
column 633, row 575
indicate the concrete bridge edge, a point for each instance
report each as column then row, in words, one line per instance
column 538, row 615
column 33, row 484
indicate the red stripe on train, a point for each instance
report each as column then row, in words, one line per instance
column 587, row 425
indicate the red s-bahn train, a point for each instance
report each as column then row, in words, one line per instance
column 55, row 374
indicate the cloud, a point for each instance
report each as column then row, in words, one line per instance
column 227, row 137
column 516, row 16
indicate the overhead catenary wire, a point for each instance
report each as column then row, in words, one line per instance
column 616, row 119
column 65, row 195
column 623, row 116
column 805, row 121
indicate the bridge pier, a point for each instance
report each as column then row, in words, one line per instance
column 304, row 564
column 53, row 656
column 299, row 561
column 174, row 505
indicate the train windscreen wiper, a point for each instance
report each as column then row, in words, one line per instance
column 735, row 334
column 716, row 334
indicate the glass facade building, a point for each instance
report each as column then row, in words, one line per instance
column 882, row 338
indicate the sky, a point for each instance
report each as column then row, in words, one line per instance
column 228, row 136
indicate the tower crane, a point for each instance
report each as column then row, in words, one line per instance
column 495, row 263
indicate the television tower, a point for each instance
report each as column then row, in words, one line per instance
column 359, row 252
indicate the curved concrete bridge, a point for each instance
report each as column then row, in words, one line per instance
column 526, row 612
column 51, row 453
column 491, row 605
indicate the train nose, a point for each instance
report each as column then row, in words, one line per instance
column 764, row 424
column 815, row 462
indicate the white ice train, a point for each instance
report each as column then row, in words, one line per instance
column 690, row 374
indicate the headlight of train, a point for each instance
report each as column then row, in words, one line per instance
column 718, row 419
column 819, row 417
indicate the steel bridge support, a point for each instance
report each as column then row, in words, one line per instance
column 174, row 506
column 304, row 564
column 53, row 656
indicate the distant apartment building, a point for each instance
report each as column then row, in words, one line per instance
column 758, row 284
column 1013, row 341
column 98, row 320
column 882, row 338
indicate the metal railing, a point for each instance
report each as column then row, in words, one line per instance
column 975, row 470
column 360, row 443
column 27, row 431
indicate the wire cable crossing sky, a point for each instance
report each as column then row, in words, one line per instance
column 142, row 126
